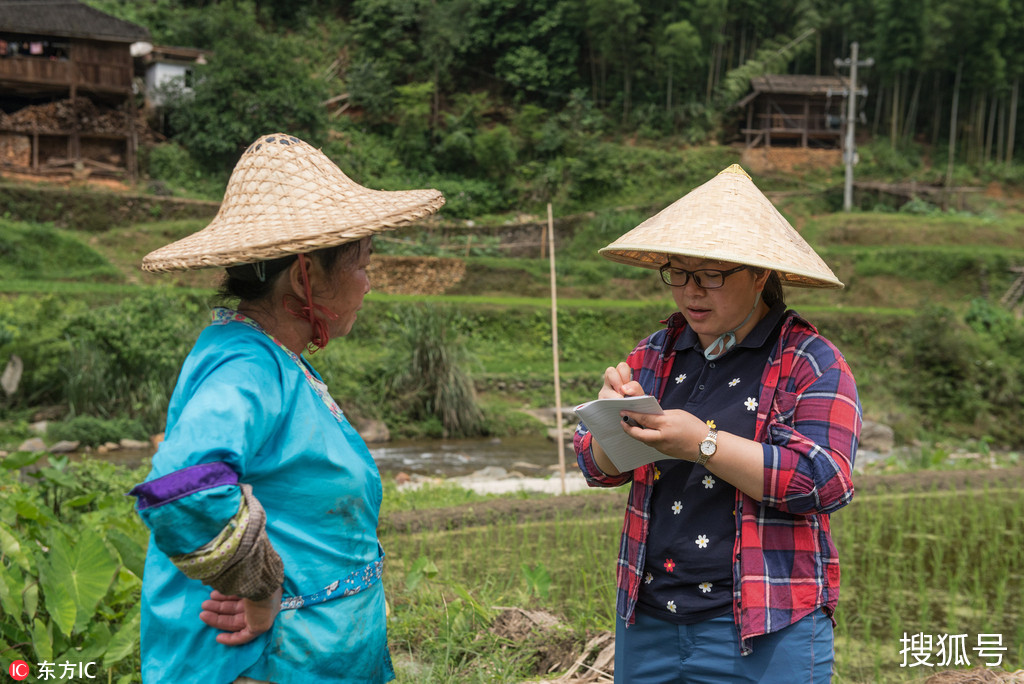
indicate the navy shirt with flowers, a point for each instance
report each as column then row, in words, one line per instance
column 688, row 569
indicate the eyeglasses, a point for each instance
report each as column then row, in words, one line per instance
column 706, row 278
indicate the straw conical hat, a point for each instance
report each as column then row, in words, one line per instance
column 726, row 219
column 286, row 197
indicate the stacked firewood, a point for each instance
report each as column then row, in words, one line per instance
column 77, row 114
column 415, row 275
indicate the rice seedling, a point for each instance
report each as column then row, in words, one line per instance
column 919, row 569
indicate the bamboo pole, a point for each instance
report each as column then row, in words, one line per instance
column 554, row 350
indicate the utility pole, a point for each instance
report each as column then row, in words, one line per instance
column 849, row 150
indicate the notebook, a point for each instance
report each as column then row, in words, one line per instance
column 602, row 418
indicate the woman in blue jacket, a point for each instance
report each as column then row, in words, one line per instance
column 261, row 489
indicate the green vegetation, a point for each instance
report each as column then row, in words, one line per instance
column 948, row 574
column 508, row 105
column 955, row 573
column 71, row 559
column 936, row 356
column 34, row 251
column 426, row 376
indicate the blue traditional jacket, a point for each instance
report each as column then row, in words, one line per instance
column 248, row 410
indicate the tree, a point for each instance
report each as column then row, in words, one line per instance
column 256, row 82
column 897, row 48
column 970, row 36
column 533, row 45
column 681, row 45
column 1011, row 48
column 444, row 34
column 612, row 28
column 413, row 115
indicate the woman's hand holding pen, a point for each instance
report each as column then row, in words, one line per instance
column 618, row 382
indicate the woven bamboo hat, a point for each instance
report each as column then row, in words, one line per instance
column 726, row 219
column 286, row 197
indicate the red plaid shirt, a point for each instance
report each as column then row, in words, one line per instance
column 808, row 421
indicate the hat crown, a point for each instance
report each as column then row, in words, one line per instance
column 287, row 197
column 735, row 168
column 726, row 219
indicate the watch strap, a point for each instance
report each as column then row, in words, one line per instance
column 712, row 437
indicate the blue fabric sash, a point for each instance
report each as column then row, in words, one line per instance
column 356, row 582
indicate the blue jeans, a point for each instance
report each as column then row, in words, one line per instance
column 654, row 651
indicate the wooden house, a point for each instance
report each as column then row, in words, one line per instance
column 793, row 110
column 66, row 98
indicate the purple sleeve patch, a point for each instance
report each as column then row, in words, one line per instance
column 183, row 482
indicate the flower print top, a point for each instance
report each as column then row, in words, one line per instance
column 693, row 520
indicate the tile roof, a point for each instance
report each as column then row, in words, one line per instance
column 66, row 19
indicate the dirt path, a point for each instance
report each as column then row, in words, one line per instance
column 612, row 502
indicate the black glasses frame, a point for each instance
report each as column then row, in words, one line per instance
column 707, row 273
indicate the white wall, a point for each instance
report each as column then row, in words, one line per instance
column 158, row 74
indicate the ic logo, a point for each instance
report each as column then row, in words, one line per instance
column 19, row 670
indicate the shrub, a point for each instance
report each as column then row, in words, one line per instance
column 32, row 328
column 171, row 164
column 958, row 379
column 93, row 431
column 470, row 198
column 124, row 359
column 426, row 376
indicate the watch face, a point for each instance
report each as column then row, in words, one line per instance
column 707, row 447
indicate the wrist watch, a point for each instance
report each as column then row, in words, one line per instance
column 708, row 447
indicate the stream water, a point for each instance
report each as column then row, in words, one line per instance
column 529, row 455
column 435, row 457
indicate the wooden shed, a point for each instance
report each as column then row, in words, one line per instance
column 66, row 99
column 794, row 110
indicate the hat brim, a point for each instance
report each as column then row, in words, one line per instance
column 286, row 197
column 223, row 243
column 725, row 219
column 647, row 256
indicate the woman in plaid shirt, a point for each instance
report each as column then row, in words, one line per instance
column 727, row 571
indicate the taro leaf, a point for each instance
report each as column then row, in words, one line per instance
column 30, row 597
column 75, row 579
column 96, row 641
column 10, row 593
column 20, row 459
column 132, row 555
column 11, row 547
column 423, row 568
column 82, row 500
column 42, row 639
column 57, row 592
column 26, row 509
column 125, row 641
column 55, row 476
